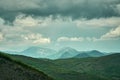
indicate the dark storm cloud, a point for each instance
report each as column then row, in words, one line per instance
column 89, row 9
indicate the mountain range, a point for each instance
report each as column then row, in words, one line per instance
column 64, row 53
column 38, row 52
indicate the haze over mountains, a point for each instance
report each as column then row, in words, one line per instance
column 38, row 52
column 67, row 52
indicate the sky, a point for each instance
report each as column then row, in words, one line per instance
column 80, row 24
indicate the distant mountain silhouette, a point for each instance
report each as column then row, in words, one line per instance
column 72, row 53
column 95, row 53
column 67, row 52
column 64, row 53
column 82, row 55
column 38, row 52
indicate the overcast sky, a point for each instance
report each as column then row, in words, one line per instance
column 80, row 24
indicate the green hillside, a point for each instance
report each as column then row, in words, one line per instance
column 102, row 68
column 107, row 67
column 15, row 70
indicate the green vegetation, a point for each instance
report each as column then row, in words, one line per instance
column 102, row 68
column 11, row 69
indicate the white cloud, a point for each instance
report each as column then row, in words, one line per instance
column 29, row 21
column 19, row 34
column 36, row 38
column 23, row 20
column 62, row 39
column 102, row 22
column 1, row 21
column 1, row 36
column 42, row 41
column 113, row 34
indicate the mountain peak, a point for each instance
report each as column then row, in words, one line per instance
column 36, row 51
column 68, row 52
column 67, row 49
column 95, row 51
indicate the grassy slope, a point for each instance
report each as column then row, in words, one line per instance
column 106, row 67
column 103, row 68
column 15, row 70
column 66, row 69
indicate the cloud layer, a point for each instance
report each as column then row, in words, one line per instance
column 114, row 34
column 75, row 9
column 74, row 39
column 50, row 22
column 36, row 38
column 101, row 22
column 21, row 32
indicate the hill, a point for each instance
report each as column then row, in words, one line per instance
column 103, row 68
column 14, row 70
column 97, row 68
column 106, row 67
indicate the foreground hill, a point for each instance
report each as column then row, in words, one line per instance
column 97, row 68
column 106, row 67
column 13, row 70
column 101, row 68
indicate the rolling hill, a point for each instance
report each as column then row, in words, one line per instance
column 106, row 67
column 98, row 68
column 14, row 70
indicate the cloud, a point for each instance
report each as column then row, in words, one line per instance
column 21, row 34
column 75, row 9
column 30, row 21
column 21, row 20
column 102, row 22
column 13, row 5
column 114, row 34
column 36, row 38
column 118, row 8
column 1, row 21
column 74, row 39
column 1, row 36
